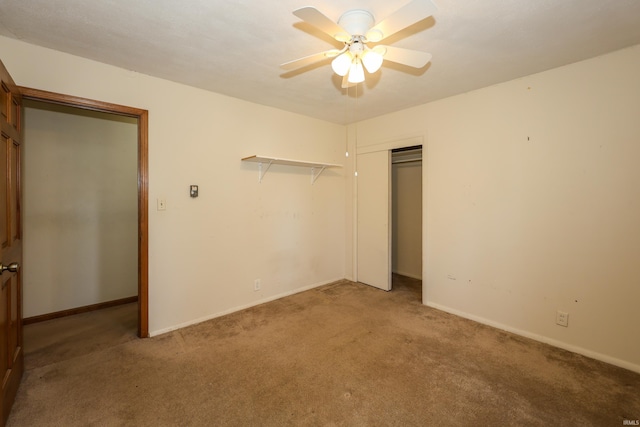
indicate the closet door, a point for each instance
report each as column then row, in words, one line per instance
column 374, row 219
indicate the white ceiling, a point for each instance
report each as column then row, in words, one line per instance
column 235, row 47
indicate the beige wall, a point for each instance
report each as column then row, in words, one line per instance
column 205, row 253
column 532, row 203
column 79, row 210
column 530, row 197
column 406, row 219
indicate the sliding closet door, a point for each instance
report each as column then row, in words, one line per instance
column 374, row 219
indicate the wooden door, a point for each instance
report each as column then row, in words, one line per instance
column 11, row 354
column 374, row 219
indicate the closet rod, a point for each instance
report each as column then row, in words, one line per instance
column 405, row 161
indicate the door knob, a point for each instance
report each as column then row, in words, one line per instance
column 13, row 267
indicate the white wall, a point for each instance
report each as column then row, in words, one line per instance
column 407, row 219
column 205, row 253
column 532, row 203
column 80, row 208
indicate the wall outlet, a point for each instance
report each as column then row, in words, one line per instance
column 562, row 318
column 256, row 285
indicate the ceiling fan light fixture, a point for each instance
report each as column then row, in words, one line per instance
column 372, row 60
column 356, row 72
column 355, row 29
column 342, row 63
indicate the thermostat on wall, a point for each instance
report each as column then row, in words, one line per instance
column 193, row 192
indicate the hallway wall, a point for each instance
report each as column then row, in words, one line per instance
column 80, row 208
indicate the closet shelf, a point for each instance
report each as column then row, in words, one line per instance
column 268, row 161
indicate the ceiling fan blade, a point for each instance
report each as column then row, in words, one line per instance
column 412, row 12
column 412, row 58
column 316, row 18
column 308, row 60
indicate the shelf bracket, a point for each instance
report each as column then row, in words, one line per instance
column 261, row 173
column 315, row 175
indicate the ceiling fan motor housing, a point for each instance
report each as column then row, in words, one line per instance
column 356, row 22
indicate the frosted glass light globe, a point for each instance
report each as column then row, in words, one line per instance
column 356, row 73
column 341, row 64
column 372, row 61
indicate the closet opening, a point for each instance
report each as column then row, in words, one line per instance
column 406, row 220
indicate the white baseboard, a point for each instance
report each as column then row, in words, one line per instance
column 239, row 308
column 541, row 338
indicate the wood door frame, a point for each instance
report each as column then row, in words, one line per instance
column 143, row 182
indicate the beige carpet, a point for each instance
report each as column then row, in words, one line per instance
column 344, row 354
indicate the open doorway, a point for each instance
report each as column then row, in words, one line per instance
column 406, row 219
column 96, row 209
column 80, row 210
column 80, row 220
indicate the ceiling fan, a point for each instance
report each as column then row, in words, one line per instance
column 356, row 29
